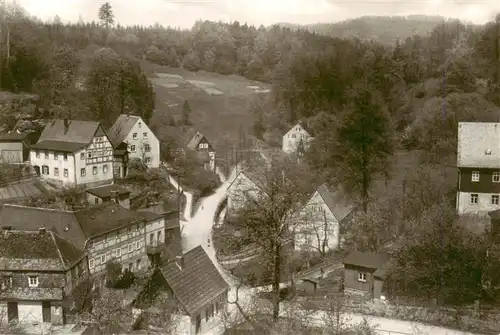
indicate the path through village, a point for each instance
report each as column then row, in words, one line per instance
column 197, row 230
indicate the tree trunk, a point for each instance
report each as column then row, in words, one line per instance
column 276, row 281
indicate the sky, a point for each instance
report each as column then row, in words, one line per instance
column 183, row 13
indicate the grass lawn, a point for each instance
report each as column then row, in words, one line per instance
column 220, row 104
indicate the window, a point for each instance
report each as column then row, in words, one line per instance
column 144, row 135
column 45, row 169
column 56, row 156
column 362, row 276
column 147, row 160
column 151, row 238
column 65, row 157
column 7, row 282
column 475, row 175
column 130, row 247
column 105, row 168
column 130, row 267
column 46, row 155
column 89, row 155
column 495, row 199
column 201, row 146
column 37, row 153
column 82, row 156
column 159, row 237
column 96, row 201
column 118, row 252
column 91, row 263
column 33, row 281
column 147, row 147
column 496, row 177
column 138, row 245
column 474, row 198
column 134, row 136
column 138, row 264
column 65, row 172
column 293, row 135
column 132, row 148
column 56, row 172
column 140, row 124
column 83, row 173
column 94, row 170
column 103, row 258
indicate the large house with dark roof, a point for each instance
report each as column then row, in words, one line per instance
column 106, row 231
column 38, row 271
column 478, row 163
column 141, row 142
column 194, row 284
column 364, row 274
column 319, row 220
column 73, row 152
column 297, row 139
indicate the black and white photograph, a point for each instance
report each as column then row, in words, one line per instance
column 227, row 167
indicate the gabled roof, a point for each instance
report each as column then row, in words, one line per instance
column 478, row 144
column 337, row 202
column 197, row 283
column 13, row 137
column 367, row 259
column 121, row 128
column 59, row 146
column 78, row 131
column 194, row 140
column 33, row 250
column 75, row 227
column 304, row 126
column 106, row 191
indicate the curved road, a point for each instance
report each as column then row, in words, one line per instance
column 198, row 231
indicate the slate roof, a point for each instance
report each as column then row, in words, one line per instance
column 121, row 128
column 13, row 137
column 367, row 259
column 478, row 145
column 59, row 146
column 75, row 227
column 194, row 138
column 198, row 283
column 35, row 251
column 105, row 191
column 337, row 202
column 171, row 216
column 78, row 131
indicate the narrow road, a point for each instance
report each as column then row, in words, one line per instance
column 189, row 197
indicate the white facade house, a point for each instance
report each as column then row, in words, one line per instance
column 318, row 221
column 244, row 185
column 293, row 138
column 141, row 142
column 73, row 152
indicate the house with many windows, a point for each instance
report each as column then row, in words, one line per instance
column 105, row 232
column 140, row 140
column 73, row 152
column 297, row 139
column 194, row 285
column 478, row 163
column 38, row 271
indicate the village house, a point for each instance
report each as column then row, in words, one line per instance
column 319, row 220
column 105, row 232
column 297, row 139
column 173, row 245
column 38, row 271
column 141, row 142
column 199, row 143
column 73, row 152
column 478, row 163
column 194, row 284
column 246, row 184
column 364, row 274
column 15, row 146
column 108, row 193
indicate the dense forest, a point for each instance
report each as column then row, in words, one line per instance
column 363, row 100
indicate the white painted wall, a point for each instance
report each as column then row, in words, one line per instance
column 140, row 127
column 99, row 143
column 52, row 163
column 484, row 204
column 292, row 138
column 30, row 311
column 310, row 226
column 240, row 190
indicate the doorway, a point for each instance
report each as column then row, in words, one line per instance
column 46, row 311
column 37, row 170
column 12, row 311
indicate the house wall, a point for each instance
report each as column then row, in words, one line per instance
column 98, row 155
column 292, row 138
column 378, row 286
column 78, row 273
column 39, row 158
column 139, row 143
column 11, row 152
column 351, row 281
column 485, row 188
column 239, row 191
column 311, row 230
column 483, row 205
column 126, row 246
column 213, row 321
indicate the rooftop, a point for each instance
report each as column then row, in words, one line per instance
column 35, row 250
column 121, row 128
column 62, row 146
column 77, row 131
column 106, row 191
column 367, row 259
column 338, row 202
column 478, row 144
column 197, row 283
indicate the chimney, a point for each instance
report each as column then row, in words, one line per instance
column 66, row 125
column 41, row 230
column 179, row 260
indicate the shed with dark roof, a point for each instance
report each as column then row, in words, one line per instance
column 108, row 193
column 364, row 273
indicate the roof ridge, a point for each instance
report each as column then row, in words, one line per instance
column 39, row 208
